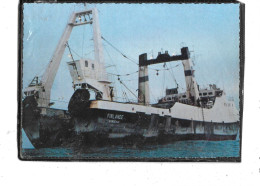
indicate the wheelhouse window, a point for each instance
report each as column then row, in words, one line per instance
column 205, row 93
column 210, row 93
column 184, row 96
column 86, row 63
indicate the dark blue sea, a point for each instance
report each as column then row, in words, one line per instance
column 179, row 149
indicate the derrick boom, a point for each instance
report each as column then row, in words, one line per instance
column 42, row 91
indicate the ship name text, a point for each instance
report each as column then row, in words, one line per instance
column 115, row 116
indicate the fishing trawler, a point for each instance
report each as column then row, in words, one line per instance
column 196, row 114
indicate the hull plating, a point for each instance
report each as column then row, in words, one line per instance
column 107, row 127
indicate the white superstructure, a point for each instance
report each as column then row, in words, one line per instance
column 223, row 111
column 41, row 89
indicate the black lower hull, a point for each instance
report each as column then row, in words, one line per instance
column 93, row 139
column 100, row 140
column 98, row 127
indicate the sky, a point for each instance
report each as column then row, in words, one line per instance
column 211, row 31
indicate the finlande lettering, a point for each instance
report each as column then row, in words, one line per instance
column 115, row 116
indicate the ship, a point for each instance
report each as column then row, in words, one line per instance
column 95, row 117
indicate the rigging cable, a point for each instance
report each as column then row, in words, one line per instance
column 83, row 35
column 130, row 80
column 127, row 88
column 163, row 84
column 128, row 74
column 171, row 72
column 157, row 70
column 89, row 52
column 118, row 75
column 126, row 97
column 164, row 69
column 74, row 65
column 132, row 59
column 114, row 66
column 74, row 51
column 119, row 51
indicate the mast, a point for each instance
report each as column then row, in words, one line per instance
column 42, row 91
column 51, row 71
column 143, row 84
column 92, row 72
column 191, row 84
column 98, row 47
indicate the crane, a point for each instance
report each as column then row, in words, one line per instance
column 41, row 89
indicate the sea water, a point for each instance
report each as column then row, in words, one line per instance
column 178, row 149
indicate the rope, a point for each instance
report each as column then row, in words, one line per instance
column 163, row 84
column 67, row 44
column 89, row 52
column 83, row 35
column 119, row 51
column 164, row 69
column 127, row 88
column 124, row 74
column 114, row 66
column 129, row 80
column 157, row 70
column 171, row 72
column 74, row 52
